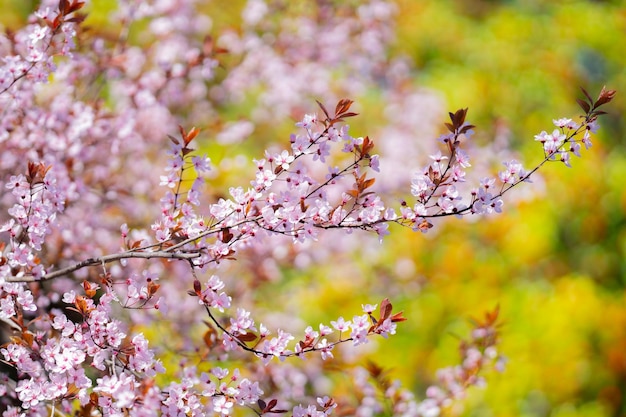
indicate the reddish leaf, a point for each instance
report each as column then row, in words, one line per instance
column 153, row 288
column 461, row 116
column 353, row 193
column 374, row 369
column 209, row 337
column 191, row 135
column 604, row 97
column 491, row 317
column 587, row 95
column 88, row 290
column 424, row 225
column 367, row 146
column 466, row 128
column 63, row 6
column 583, row 105
column 323, row 109
column 269, row 408
column 385, row 309
column 343, row 106
column 56, row 22
column 398, row 317
column 226, row 235
column 28, row 338
column 79, row 18
column 368, row 183
column 76, row 5
column 248, row 337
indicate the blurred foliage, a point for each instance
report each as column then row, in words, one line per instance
column 555, row 264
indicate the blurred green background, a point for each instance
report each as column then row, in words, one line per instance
column 555, row 263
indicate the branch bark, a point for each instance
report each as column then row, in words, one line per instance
column 105, row 260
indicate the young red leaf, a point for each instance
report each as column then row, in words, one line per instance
column 587, row 95
column 424, row 225
column 76, row 5
column 343, row 106
column 153, row 287
column 226, row 236
column 77, row 19
column 173, row 139
column 604, row 97
column 385, row 309
column 191, row 135
column 89, row 292
column 323, row 109
column 465, row 128
column 368, row 183
column 348, row 114
column 248, row 337
column 398, row 317
column 367, row 146
column 63, row 6
column 583, row 105
column 353, row 193
column 210, row 337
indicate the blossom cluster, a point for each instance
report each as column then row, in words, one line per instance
column 477, row 353
column 242, row 328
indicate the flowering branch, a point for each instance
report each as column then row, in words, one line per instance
column 243, row 331
column 19, row 67
column 303, row 206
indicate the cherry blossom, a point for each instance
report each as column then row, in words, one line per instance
column 87, row 117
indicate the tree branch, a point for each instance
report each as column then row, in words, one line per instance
column 105, row 260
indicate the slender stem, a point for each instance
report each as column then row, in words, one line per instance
column 104, row 260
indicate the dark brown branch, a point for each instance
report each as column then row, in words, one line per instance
column 105, row 260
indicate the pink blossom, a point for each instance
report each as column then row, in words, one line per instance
column 369, row 308
column 201, row 163
column 341, row 325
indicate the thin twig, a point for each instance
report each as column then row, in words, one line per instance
column 104, row 260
